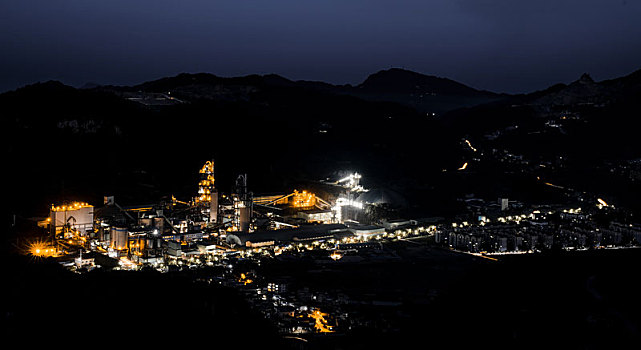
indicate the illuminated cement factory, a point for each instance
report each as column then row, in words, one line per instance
column 217, row 229
column 209, row 226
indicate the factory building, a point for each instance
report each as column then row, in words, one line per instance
column 397, row 224
column 67, row 219
column 85, row 259
column 505, row 204
column 289, row 235
column 324, row 216
column 210, row 247
column 366, row 230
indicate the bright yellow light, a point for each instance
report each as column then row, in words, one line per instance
column 41, row 249
column 463, row 167
column 206, row 185
column 303, row 199
column 72, row 206
column 602, row 202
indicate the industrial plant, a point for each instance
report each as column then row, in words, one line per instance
column 211, row 224
column 214, row 225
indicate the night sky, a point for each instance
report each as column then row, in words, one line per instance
column 499, row 45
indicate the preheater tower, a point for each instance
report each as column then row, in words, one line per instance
column 207, row 198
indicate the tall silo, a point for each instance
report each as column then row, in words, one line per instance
column 119, row 238
column 242, row 204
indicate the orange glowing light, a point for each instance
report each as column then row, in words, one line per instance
column 303, row 199
column 320, row 324
column 41, row 249
column 71, row 207
column 243, row 278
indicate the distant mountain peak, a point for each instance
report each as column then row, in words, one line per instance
column 399, row 72
column 586, row 79
column 398, row 76
column 403, row 81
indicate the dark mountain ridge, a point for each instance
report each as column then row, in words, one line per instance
column 584, row 91
column 421, row 92
column 619, row 93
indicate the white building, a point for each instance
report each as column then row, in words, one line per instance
column 78, row 217
column 366, row 230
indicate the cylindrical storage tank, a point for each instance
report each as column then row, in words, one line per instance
column 245, row 218
column 213, row 207
column 119, row 238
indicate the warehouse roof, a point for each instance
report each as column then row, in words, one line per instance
column 303, row 233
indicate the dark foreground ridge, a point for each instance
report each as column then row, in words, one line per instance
column 44, row 302
column 583, row 300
